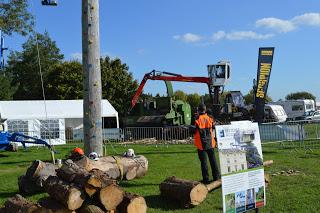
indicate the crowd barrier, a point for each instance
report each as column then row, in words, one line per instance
column 288, row 134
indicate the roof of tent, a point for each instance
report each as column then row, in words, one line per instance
column 55, row 109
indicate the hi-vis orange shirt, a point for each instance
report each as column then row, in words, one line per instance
column 204, row 137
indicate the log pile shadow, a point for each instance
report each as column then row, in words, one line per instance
column 159, row 202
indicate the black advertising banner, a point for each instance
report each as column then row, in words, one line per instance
column 263, row 76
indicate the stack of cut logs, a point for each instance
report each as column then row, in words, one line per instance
column 81, row 186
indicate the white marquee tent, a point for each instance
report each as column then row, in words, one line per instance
column 37, row 118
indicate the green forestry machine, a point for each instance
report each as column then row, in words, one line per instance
column 166, row 111
column 159, row 111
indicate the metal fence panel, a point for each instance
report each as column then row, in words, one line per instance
column 293, row 134
column 288, row 134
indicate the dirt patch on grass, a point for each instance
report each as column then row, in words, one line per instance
column 290, row 172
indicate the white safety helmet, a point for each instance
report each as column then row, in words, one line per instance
column 130, row 153
column 93, row 156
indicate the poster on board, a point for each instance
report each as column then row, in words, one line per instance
column 241, row 165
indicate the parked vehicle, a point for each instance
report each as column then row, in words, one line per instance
column 312, row 115
column 275, row 113
column 296, row 108
column 235, row 106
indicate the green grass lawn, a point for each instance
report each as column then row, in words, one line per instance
column 299, row 193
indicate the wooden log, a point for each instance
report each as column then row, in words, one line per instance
column 91, row 181
column 117, row 167
column 267, row 179
column 104, row 164
column 90, row 190
column 28, row 185
column 111, row 196
column 91, row 209
column 71, row 172
column 214, row 185
column 49, row 205
column 97, row 180
column 18, row 204
column 132, row 203
column 268, row 163
column 134, row 167
column 33, row 181
column 41, row 171
column 68, row 195
column 188, row 193
column 131, row 173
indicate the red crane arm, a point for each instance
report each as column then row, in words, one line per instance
column 169, row 77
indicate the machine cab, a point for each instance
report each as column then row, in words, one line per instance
column 219, row 73
column 49, row 2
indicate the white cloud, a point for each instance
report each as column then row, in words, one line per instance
column 279, row 25
column 240, row 35
column 274, row 25
column 188, row 37
column 76, row 56
column 247, row 35
column 284, row 26
column 218, row 35
column 312, row 19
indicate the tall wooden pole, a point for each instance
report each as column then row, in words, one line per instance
column 92, row 122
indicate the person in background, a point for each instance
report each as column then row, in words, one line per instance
column 205, row 143
column 2, row 124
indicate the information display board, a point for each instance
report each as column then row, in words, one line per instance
column 241, row 164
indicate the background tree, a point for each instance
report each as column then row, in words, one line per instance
column 6, row 91
column 194, row 100
column 300, row 95
column 24, row 68
column 180, row 95
column 248, row 98
column 146, row 96
column 15, row 17
column 65, row 81
column 118, row 84
column 208, row 100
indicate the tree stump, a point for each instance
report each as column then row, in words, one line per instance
column 132, row 203
column 68, row 195
column 188, row 193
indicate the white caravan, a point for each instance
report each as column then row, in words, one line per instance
column 275, row 113
column 296, row 108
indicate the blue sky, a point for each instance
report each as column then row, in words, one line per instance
column 183, row 36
